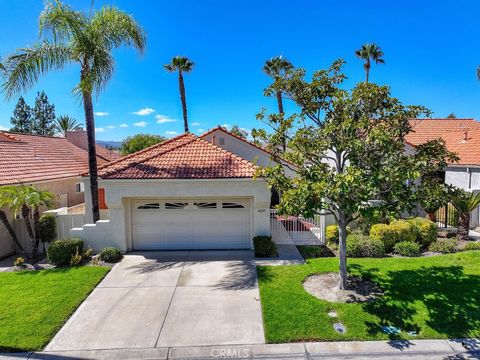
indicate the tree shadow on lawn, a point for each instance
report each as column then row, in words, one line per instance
column 450, row 297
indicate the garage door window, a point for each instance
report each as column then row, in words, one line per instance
column 151, row 206
column 175, row 205
column 205, row 205
column 231, row 205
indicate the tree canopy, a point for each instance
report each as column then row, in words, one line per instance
column 139, row 142
column 237, row 130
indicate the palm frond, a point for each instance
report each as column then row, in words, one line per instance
column 180, row 63
column 66, row 123
column 275, row 66
column 117, row 28
column 24, row 67
column 478, row 73
column 60, row 22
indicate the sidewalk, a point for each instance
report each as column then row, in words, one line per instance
column 415, row 349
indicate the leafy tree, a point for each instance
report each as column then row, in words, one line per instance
column 277, row 67
column 451, row 116
column 181, row 65
column 69, row 36
column 433, row 194
column 464, row 202
column 66, row 123
column 139, row 142
column 349, row 150
column 258, row 135
column 369, row 53
column 22, row 117
column 43, row 116
column 5, row 201
column 236, row 130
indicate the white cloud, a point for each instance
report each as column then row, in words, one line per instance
column 110, row 126
column 162, row 119
column 99, row 130
column 123, row 125
column 101, row 113
column 144, row 111
column 200, row 130
column 140, row 124
column 3, row 128
column 168, row 132
column 196, row 124
column 226, row 125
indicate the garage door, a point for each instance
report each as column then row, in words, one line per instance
column 191, row 224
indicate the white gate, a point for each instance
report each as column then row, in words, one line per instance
column 297, row 230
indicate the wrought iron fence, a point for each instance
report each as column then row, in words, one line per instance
column 447, row 217
column 297, row 230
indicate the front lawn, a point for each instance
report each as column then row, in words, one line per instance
column 35, row 304
column 437, row 297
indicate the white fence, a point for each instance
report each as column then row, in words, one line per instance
column 297, row 230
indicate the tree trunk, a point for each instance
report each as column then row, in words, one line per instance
column 8, row 226
column 342, row 245
column 280, row 111
column 36, row 225
column 92, row 153
column 463, row 226
column 181, row 87
column 28, row 224
column 432, row 216
column 367, row 70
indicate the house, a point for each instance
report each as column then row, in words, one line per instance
column 49, row 163
column 185, row 193
column 461, row 136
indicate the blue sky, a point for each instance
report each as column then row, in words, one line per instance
column 432, row 49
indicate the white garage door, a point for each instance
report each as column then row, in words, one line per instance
column 191, row 224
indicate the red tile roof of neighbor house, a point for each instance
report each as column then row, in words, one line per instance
column 461, row 136
column 31, row 158
column 184, row 157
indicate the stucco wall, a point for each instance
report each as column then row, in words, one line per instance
column 467, row 178
column 119, row 193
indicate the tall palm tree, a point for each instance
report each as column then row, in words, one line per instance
column 181, row 64
column 369, row 53
column 66, row 123
column 5, row 201
column 478, row 73
column 69, row 36
column 464, row 202
column 275, row 68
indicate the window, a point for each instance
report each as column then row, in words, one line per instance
column 175, row 205
column 149, row 206
column 221, row 141
column 205, row 205
column 229, row 205
column 80, row 187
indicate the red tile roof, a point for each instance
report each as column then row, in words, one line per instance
column 461, row 136
column 183, row 157
column 106, row 154
column 31, row 158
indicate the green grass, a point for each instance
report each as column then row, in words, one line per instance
column 439, row 297
column 35, row 304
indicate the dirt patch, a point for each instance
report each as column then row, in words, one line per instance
column 324, row 287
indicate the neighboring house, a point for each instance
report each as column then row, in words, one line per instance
column 49, row 163
column 461, row 136
column 184, row 193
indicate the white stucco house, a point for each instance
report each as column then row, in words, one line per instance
column 188, row 192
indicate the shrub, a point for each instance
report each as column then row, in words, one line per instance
column 445, row 246
column 426, row 230
column 363, row 246
column 331, row 234
column 404, row 231
column 48, row 228
column 75, row 259
column 61, row 252
column 407, row 248
column 393, row 233
column 315, row 251
column 472, row 246
column 110, row 255
column 264, row 247
column 20, row 261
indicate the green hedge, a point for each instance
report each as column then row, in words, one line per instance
column 264, row 247
column 60, row 253
column 48, row 228
column 407, row 248
column 445, row 246
column 110, row 255
column 362, row 246
column 426, row 230
column 472, row 246
column 390, row 234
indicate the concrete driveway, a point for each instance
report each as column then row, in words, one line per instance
column 164, row 299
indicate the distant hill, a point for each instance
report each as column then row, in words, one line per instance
column 110, row 144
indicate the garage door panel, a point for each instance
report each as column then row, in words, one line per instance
column 191, row 224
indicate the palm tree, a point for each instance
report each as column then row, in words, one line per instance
column 35, row 200
column 464, row 202
column 276, row 67
column 369, row 53
column 478, row 73
column 69, row 36
column 66, row 123
column 181, row 64
column 5, row 201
